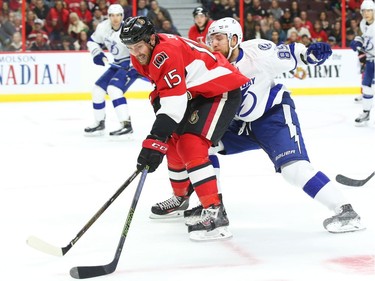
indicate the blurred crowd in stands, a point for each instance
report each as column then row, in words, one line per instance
column 67, row 24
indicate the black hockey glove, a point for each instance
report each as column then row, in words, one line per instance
column 152, row 153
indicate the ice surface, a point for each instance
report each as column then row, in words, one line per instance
column 53, row 180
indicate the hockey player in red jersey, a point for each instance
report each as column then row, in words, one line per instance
column 196, row 96
column 202, row 22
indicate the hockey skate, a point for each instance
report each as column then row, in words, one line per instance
column 126, row 129
column 173, row 207
column 97, row 129
column 362, row 119
column 192, row 216
column 211, row 226
column 347, row 220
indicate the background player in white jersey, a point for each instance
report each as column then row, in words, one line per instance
column 116, row 79
column 267, row 118
column 366, row 44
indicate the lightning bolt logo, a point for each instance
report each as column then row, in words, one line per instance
column 292, row 127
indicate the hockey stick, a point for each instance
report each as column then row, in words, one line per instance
column 83, row 272
column 353, row 182
column 359, row 49
column 45, row 247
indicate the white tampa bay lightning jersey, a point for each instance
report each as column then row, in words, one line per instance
column 104, row 35
column 368, row 33
column 261, row 61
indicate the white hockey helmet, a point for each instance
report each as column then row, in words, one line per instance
column 115, row 9
column 228, row 26
column 367, row 5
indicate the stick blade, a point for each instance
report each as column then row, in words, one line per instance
column 83, row 272
column 44, row 247
column 352, row 182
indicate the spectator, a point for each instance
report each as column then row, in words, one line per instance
column 66, row 44
column 167, row 27
column 72, row 5
column 297, row 26
column 142, row 8
column 220, row 9
column 249, row 27
column 41, row 9
column 97, row 17
column 257, row 10
column 305, row 22
column 350, row 35
column 128, row 10
column 258, row 32
column 293, row 37
column 76, row 26
column 305, row 40
column 326, row 25
column 332, row 42
column 84, row 13
column 16, row 43
column 57, row 21
column 294, row 9
column 157, row 14
column 37, row 28
column 275, row 38
column 318, row 34
column 354, row 26
column 30, row 18
column 286, row 20
column 276, row 27
column 336, row 32
column 82, row 41
column 202, row 22
column 275, row 10
column 103, row 7
column 39, row 44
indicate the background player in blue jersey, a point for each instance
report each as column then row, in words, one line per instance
column 116, row 79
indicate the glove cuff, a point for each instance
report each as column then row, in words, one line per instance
column 152, row 143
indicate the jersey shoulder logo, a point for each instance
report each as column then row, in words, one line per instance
column 264, row 46
column 159, row 59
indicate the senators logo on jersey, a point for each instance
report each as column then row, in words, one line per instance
column 160, row 59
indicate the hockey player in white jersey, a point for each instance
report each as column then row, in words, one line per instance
column 267, row 119
column 366, row 44
column 116, row 79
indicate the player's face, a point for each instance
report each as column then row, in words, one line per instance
column 368, row 15
column 219, row 43
column 141, row 51
column 116, row 20
column 200, row 20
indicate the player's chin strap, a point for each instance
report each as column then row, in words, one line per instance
column 231, row 48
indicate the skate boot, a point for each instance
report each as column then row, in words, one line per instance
column 211, row 226
column 347, row 220
column 192, row 216
column 173, row 207
column 97, row 129
column 362, row 119
column 126, row 129
column 358, row 98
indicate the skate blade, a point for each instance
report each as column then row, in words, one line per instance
column 361, row 124
column 172, row 215
column 94, row 134
column 219, row 233
column 121, row 137
column 350, row 227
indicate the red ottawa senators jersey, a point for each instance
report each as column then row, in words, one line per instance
column 179, row 65
column 199, row 36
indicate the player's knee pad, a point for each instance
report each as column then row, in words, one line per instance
column 98, row 95
column 298, row 173
column 116, row 95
